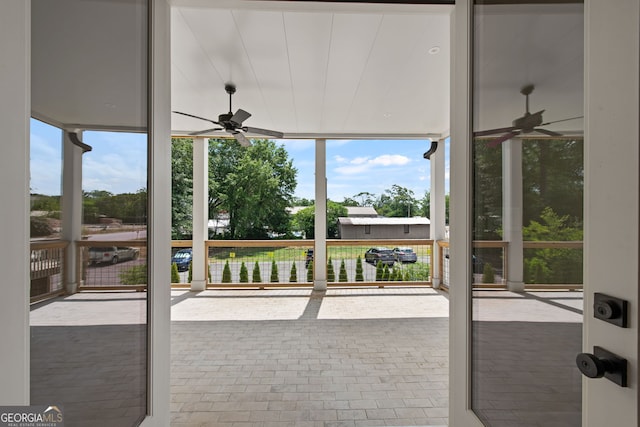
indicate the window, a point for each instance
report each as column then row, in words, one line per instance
column 367, row 229
column 406, row 228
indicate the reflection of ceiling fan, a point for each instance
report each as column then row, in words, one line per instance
column 525, row 124
column 232, row 123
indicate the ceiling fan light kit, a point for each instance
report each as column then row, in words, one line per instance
column 232, row 122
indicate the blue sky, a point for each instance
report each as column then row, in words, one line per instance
column 355, row 166
column 117, row 164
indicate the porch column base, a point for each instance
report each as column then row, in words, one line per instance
column 515, row 286
column 320, row 285
column 71, row 288
column 435, row 282
column 198, row 285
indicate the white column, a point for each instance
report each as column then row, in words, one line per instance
column 15, row 110
column 200, row 216
column 437, row 218
column 320, row 227
column 512, row 212
column 71, row 207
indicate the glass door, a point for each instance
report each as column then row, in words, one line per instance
column 527, row 216
column 546, row 193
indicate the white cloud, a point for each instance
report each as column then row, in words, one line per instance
column 340, row 159
column 359, row 160
column 360, row 165
column 391, row 160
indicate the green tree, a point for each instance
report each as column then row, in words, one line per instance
column 253, row 185
column 359, row 270
column 244, row 273
column 304, row 220
column 397, row 202
column 293, row 274
column 342, row 274
column 226, row 273
column 190, row 274
column 255, row 276
column 331, row 274
column 301, row 201
column 274, row 272
column 175, row 276
column 553, row 265
column 181, row 187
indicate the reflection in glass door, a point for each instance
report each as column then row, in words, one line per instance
column 88, row 339
column 527, row 213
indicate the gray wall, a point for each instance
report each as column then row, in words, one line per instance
column 348, row 231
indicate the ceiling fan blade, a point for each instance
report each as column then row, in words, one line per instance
column 242, row 140
column 205, row 131
column 547, row 132
column 198, row 117
column 499, row 140
column 563, row 120
column 240, row 116
column 273, row 133
column 494, row 131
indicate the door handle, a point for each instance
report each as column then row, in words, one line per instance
column 603, row 363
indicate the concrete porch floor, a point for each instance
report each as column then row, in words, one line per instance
column 290, row 357
column 347, row 357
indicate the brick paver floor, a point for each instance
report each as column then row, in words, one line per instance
column 293, row 358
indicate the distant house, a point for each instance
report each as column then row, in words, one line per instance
column 384, row 228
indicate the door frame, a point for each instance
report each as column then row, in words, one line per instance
column 611, row 257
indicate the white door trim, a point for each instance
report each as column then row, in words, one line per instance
column 460, row 414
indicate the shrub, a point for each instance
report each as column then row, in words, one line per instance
column 379, row 271
column 417, row 272
column 359, row 272
column 40, row 227
column 136, row 275
column 190, row 274
column 310, row 272
column 293, row 275
column 244, row 273
column 175, row 276
column 385, row 273
column 226, row 273
column 396, row 275
column 342, row 275
column 536, row 270
column 274, row 272
column 331, row 274
column 255, row 276
column 488, row 276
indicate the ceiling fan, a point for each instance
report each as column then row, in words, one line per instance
column 232, row 123
column 528, row 123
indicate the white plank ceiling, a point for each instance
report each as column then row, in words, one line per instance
column 313, row 69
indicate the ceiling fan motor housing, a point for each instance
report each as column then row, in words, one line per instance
column 528, row 121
